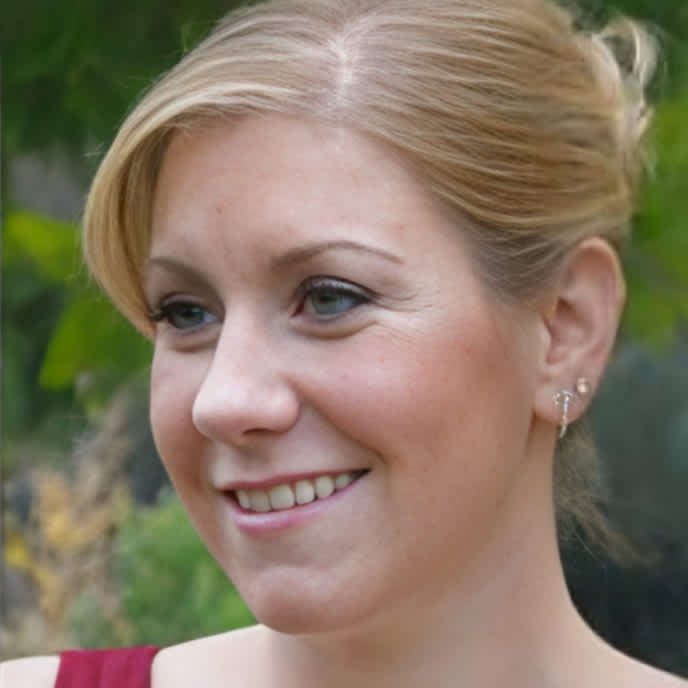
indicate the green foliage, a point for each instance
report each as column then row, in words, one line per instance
column 59, row 329
column 51, row 246
column 657, row 263
column 74, row 68
column 90, row 626
column 171, row 588
column 91, row 336
column 38, row 259
column 15, row 390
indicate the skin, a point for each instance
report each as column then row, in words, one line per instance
column 443, row 556
column 423, row 387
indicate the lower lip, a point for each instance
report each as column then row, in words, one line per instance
column 271, row 522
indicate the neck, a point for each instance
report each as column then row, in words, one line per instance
column 507, row 620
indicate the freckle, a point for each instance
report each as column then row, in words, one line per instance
column 219, row 209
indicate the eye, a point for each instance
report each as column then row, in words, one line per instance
column 182, row 315
column 326, row 297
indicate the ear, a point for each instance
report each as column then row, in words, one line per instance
column 580, row 321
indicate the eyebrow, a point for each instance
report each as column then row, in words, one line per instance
column 173, row 265
column 302, row 254
column 293, row 256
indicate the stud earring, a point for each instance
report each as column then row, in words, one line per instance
column 564, row 398
column 583, row 387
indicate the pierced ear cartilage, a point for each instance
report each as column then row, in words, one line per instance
column 563, row 399
column 583, row 386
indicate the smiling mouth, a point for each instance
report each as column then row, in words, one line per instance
column 291, row 495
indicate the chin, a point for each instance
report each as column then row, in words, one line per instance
column 292, row 616
column 291, row 609
column 290, row 624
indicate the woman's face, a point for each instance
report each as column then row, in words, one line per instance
column 322, row 327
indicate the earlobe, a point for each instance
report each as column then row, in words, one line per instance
column 564, row 400
column 581, row 319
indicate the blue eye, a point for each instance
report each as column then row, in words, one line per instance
column 328, row 298
column 182, row 315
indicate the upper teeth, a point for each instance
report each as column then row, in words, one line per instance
column 286, row 496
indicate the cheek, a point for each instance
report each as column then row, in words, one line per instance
column 175, row 380
column 446, row 409
column 174, row 384
column 423, row 387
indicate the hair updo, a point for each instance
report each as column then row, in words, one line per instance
column 526, row 126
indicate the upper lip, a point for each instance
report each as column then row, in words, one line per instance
column 284, row 479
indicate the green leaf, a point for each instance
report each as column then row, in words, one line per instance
column 52, row 246
column 91, row 336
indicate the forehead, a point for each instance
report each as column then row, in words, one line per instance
column 295, row 176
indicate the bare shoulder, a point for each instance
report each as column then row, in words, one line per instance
column 661, row 679
column 601, row 664
column 36, row 672
column 210, row 661
column 637, row 674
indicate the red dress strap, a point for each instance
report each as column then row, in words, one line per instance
column 123, row 668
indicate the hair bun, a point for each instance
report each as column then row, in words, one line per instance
column 626, row 55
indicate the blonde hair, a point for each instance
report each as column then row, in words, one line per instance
column 525, row 124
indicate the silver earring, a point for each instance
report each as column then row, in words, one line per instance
column 563, row 399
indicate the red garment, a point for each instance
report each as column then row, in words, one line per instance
column 124, row 668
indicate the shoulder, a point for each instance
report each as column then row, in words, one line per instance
column 633, row 673
column 36, row 672
column 650, row 677
column 202, row 661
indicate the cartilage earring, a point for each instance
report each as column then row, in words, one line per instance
column 582, row 387
column 563, row 399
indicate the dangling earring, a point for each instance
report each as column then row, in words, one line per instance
column 563, row 399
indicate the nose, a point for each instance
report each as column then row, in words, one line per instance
column 246, row 392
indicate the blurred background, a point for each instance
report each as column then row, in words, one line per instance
column 95, row 549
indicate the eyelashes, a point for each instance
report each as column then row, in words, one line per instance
column 181, row 315
column 328, row 298
column 319, row 299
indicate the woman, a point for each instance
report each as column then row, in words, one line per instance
column 374, row 244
